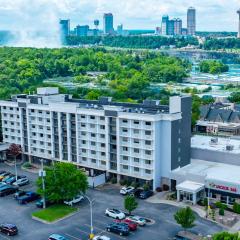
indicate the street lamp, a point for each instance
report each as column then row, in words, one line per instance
column 42, row 174
column 91, row 213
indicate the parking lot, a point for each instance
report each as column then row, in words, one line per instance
column 78, row 226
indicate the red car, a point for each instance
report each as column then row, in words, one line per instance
column 131, row 225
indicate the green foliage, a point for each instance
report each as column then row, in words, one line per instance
column 226, row 43
column 146, row 187
column 185, row 217
column 130, row 204
column 221, row 211
column 63, row 181
column 127, row 75
column 213, row 67
column 226, row 236
column 221, row 205
column 143, row 42
column 234, row 97
column 236, row 207
column 113, row 180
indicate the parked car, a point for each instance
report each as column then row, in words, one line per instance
column 56, row 237
column 2, row 171
column 19, row 194
column 136, row 219
column 3, row 175
column 21, row 181
column 146, row 194
column 28, row 197
column 118, row 228
column 137, row 192
column 101, row 238
column 75, row 200
column 131, row 225
column 9, row 229
column 7, row 190
column 39, row 203
column 2, row 184
column 114, row 213
column 127, row 190
column 9, row 180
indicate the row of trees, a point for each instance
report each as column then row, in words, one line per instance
column 142, row 42
column 213, row 67
column 224, row 43
column 128, row 74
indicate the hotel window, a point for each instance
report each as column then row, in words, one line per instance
column 93, row 144
column 147, row 171
column 125, row 158
column 84, row 159
column 92, row 117
column 147, row 152
column 83, row 116
column 93, row 152
column 103, row 145
column 136, row 169
column 102, row 118
column 148, row 133
column 147, row 162
column 83, row 125
column 103, row 154
column 124, row 130
column 136, row 122
column 148, row 123
column 136, row 141
column 135, row 131
column 136, row 160
column 83, row 142
column 84, row 150
column 93, row 160
column 147, row 142
column 125, row 149
column 125, row 121
column 125, row 167
column 102, row 136
column 93, row 135
column 103, row 163
column 124, row 139
column 136, row 150
column 102, row 127
column 92, row 125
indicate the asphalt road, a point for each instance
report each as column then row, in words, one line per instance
column 77, row 227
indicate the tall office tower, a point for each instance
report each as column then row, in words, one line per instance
column 96, row 23
column 64, row 27
column 177, row 26
column 120, row 29
column 191, row 21
column 238, row 12
column 165, row 22
column 108, row 23
column 144, row 142
column 82, row 31
column 171, row 27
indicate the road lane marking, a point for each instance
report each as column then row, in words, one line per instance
column 87, row 233
column 69, row 235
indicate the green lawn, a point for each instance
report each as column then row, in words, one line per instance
column 54, row 212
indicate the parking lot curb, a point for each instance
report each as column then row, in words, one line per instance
column 60, row 219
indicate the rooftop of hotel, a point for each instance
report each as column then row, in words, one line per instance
column 231, row 145
column 211, row 171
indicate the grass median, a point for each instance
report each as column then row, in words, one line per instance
column 54, row 212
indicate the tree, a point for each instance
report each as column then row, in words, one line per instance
column 130, row 203
column 63, row 181
column 15, row 150
column 185, row 217
column 226, row 236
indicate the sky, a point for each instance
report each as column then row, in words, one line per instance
column 212, row 15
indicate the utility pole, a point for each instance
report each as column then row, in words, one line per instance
column 15, row 165
column 91, row 236
column 42, row 174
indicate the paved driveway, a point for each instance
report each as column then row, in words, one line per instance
column 78, row 226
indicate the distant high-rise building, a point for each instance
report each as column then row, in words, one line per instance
column 158, row 30
column 82, row 31
column 120, row 29
column 64, row 27
column 96, row 23
column 171, row 27
column 108, row 23
column 191, row 21
column 238, row 12
column 177, row 26
column 165, row 23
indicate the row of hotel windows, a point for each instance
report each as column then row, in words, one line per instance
column 83, row 125
column 136, row 131
column 136, row 169
column 136, row 122
column 12, row 123
column 93, row 152
column 137, row 160
column 137, row 141
column 137, row 150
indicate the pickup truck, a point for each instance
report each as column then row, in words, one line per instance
column 28, row 197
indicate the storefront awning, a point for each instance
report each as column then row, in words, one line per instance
column 191, row 187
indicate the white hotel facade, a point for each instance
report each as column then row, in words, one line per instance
column 139, row 141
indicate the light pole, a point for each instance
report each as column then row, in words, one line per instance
column 42, row 174
column 91, row 213
column 15, row 165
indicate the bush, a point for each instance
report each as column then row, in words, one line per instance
column 146, row 187
column 122, row 182
column 221, row 205
column 135, row 184
column 158, row 189
column 27, row 165
column 165, row 187
column 236, row 208
column 113, row 180
column 221, row 211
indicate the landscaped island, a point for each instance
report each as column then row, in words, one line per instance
column 213, row 67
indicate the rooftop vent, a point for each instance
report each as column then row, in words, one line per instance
column 229, row 147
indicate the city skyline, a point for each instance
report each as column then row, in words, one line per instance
column 132, row 14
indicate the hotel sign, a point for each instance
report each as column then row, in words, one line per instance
column 222, row 187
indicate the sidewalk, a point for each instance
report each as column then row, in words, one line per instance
column 159, row 198
column 235, row 227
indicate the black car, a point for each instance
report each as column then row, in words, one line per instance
column 28, row 197
column 9, row 229
column 137, row 192
column 146, row 194
column 121, row 229
column 7, row 190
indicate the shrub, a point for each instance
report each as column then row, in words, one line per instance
column 221, row 211
column 221, row 205
column 158, row 189
column 122, row 182
column 236, row 208
column 27, row 165
column 113, row 180
column 146, row 187
column 135, row 184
